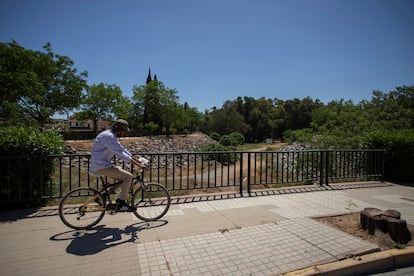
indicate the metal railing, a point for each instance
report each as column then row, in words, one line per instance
column 33, row 178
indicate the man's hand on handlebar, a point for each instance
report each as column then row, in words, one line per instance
column 141, row 162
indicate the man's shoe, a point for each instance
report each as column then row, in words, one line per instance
column 122, row 206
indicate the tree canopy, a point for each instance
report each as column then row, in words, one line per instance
column 103, row 102
column 35, row 85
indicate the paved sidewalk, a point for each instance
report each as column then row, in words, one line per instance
column 260, row 235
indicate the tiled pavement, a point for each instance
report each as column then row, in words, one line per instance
column 259, row 235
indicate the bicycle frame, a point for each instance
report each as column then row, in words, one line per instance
column 88, row 212
column 108, row 187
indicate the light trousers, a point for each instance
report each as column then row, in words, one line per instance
column 124, row 177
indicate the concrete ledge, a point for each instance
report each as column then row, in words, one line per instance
column 378, row 261
column 403, row 257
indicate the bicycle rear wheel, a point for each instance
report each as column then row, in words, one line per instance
column 82, row 208
column 151, row 202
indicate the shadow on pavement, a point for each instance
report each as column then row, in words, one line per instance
column 93, row 241
column 14, row 215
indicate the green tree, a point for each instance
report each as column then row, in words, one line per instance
column 35, row 85
column 343, row 124
column 393, row 110
column 103, row 102
column 157, row 104
column 190, row 120
column 225, row 120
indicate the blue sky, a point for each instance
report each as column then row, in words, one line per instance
column 216, row 50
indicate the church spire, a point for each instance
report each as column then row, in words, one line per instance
column 149, row 76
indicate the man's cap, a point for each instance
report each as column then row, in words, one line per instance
column 121, row 124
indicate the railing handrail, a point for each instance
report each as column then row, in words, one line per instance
column 198, row 170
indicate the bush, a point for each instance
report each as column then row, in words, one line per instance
column 300, row 135
column 225, row 140
column 399, row 156
column 222, row 157
column 237, row 138
column 215, row 136
column 25, row 164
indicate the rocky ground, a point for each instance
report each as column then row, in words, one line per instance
column 173, row 143
column 349, row 223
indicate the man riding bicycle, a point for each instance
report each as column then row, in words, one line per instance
column 105, row 147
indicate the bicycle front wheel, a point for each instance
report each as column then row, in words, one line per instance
column 151, row 202
column 82, row 208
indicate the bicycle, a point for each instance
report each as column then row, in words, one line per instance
column 84, row 207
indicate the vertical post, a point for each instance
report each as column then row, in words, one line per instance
column 248, row 172
column 320, row 167
column 241, row 174
column 383, row 157
column 327, row 168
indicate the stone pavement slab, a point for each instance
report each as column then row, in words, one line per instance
column 262, row 235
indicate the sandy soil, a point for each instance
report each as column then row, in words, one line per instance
column 349, row 223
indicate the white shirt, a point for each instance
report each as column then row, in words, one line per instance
column 105, row 147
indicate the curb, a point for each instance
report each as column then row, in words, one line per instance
column 374, row 262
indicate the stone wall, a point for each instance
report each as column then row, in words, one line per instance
column 163, row 144
column 156, row 144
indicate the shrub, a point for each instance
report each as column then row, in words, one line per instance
column 399, row 156
column 25, row 163
column 225, row 140
column 215, row 136
column 222, row 157
column 237, row 138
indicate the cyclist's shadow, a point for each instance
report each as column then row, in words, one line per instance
column 97, row 239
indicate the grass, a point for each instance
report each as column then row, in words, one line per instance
column 248, row 146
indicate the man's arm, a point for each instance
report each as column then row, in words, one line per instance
column 138, row 163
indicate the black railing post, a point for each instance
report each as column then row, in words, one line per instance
column 249, row 164
column 327, row 165
column 383, row 157
column 241, row 174
column 320, row 167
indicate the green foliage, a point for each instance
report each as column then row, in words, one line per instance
column 399, row 147
column 36, row 84
column 158, row 104
column 225, row 120
column 233, row 139
column 343, row 124
column 103, row 102
column 215, row 147
column 301, row 135
column 237, row 138
column 27, row 169
column 151, row 127
column 225, row 140
column 28, row 141
column 222, row 157
column 258, row 119
column 215, row 136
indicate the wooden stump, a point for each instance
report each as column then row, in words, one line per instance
column 392, row 214
column 398, row 230
column 388, row 222
column 366, row 214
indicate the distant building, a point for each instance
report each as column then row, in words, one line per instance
column 57, row 124
column 87, row 125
